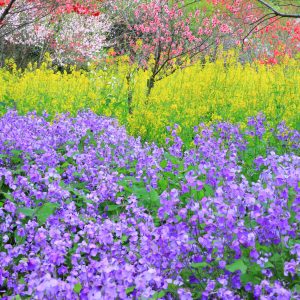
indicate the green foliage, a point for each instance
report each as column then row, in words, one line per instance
column 147, row 198
column 130, row 290
column 77, row 288
column 42, row 213
column 45, row 211
column 158, row 295
column 238, row 265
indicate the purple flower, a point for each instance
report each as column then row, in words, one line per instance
column 291, row 267
column 95, row 213
column 184, row 294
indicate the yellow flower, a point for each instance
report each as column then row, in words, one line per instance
column 139, row 43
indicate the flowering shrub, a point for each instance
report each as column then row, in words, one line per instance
column 283, row 40
column 73, row 32
column 89, row 212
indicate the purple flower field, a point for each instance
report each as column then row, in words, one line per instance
column 89, row 212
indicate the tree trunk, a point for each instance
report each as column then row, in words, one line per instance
column 129, row 102
column 150, row 85
column 129, row 94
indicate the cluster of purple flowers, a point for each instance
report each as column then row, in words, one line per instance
column 89, row 212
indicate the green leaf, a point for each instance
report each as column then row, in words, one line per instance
column 45, row 211
column 238, row 265
column 99, row 156
column 163, row 184
column 276, row 258
column 158, row 295
column 154, row 197
column 209, row 192
column 140, row 192
column 28, row 212
column 268, row 265
column 255, row 269
column 124, row 238
column 22, row 281
column 16, row 152
column 7, row 196
column 81, row 144
column 130, row 290
column 245, row 278
column 263, row 248
column 149, row 200
column 15, row 158
column 65, row 164
column 112, row 207
column 77, row 288
column 172, row 288
column 164, row 163
column 173, row 159
column 19, row 239
column 199, row 265
column 92, row 140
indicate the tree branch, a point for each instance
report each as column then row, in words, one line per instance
column 6, row 10
column 276, row 12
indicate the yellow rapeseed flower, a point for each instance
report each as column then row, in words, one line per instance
column 200, row 93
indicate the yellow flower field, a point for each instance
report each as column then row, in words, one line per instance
column 189, row 96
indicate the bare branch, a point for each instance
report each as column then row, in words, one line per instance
column 276, row 12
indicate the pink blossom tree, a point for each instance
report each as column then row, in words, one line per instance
column 162, row 35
